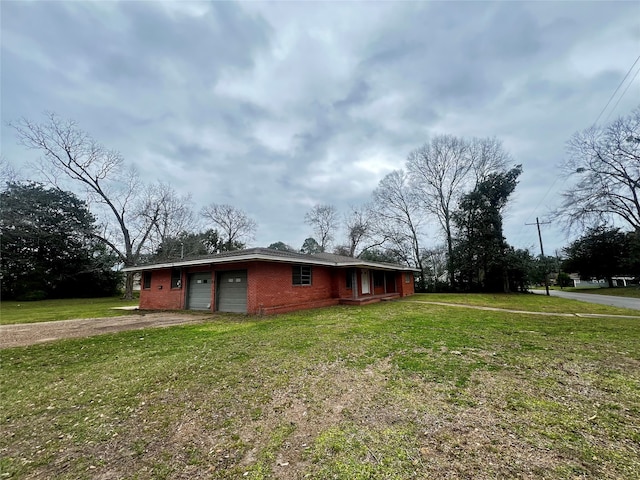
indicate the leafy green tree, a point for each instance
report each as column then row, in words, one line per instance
column 386, row 255
column 190, row 244
column 564, row 280
column 281, row 246
column 480, row 247
column 49, row 247
column 632, row 264
column 311, row 246
column 541, row 267
column 602, row 252
column 519, row 265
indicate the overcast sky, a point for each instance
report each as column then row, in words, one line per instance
column 276, row 106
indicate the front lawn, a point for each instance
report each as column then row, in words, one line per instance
column 61, row 309
column 395, row 390
column 525, row 301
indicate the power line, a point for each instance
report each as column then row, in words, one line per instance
column 616, row 91
column 544, row 197
column 596, row 121
column 623, row 94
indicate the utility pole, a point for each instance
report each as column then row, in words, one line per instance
column 546, row 277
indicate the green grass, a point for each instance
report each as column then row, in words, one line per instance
column 393, row 390
column 62, row 309
column 525, row 301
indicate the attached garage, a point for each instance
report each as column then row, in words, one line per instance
column 232, row 291
column 264, row 281
column 199, row 292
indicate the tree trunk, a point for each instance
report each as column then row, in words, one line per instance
column 450, row 260
column 128, row 287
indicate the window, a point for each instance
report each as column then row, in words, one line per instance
column 349, row 279
column 301, row 275
column 176, row 278
column 407, row 278
column 146, row 279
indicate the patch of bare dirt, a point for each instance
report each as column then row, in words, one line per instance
column 21, row 335
column 312, row 405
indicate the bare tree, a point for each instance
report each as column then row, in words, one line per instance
column 113, row 190
column 237, row 228
column 487, row 156
column 170, row 213
column 437, row 261
column 359, row 224
column 399, row 219
column 445, row 168
column 438, row 172
column 324, row 221
column 8, row 173
column 606, row 162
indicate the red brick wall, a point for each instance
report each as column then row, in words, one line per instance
column 340, row 282
column 405, row 288
column 161, row 296
column 270, row 285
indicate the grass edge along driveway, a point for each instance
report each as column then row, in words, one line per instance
column 393, row 390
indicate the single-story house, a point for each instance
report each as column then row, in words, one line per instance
column 263, row 281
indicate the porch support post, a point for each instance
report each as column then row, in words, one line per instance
column 384, row 279
column 354, row 283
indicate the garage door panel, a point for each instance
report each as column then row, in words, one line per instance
column 199, row 293
column 232, row 291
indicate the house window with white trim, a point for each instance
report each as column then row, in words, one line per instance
column 301, row 274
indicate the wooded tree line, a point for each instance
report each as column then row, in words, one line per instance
column 453, row 189
column 463, row 187
column 456, row 185
column 134, row 220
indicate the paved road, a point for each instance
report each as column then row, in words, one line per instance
column 622, row 302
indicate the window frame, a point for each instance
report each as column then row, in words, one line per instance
column 146, row 280
column 299, row 278
column 349, row 279
column 176, row 278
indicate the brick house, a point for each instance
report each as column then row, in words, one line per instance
column 264, row 281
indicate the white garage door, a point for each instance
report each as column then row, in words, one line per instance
column 199, row 294
column 232, row 291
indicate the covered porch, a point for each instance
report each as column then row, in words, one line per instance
column 365, row 300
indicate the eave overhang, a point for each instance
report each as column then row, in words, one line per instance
column 252, row 257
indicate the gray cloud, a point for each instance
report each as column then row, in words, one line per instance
column 275, row 106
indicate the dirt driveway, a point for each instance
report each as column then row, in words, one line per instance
column 23, row 334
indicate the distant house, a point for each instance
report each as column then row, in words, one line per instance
column 264, row 281
column 618, row 281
